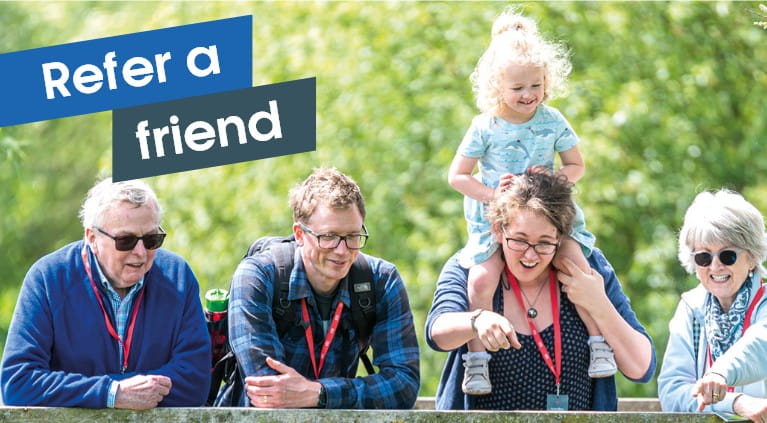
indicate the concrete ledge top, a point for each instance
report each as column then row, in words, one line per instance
column 250, row 415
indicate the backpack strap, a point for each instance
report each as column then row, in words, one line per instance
column 363, row 293
column 227, row 369
column 283, row 254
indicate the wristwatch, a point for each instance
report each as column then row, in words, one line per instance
column 474, row 316
column 322, row 401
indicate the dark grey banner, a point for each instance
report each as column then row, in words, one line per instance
column 213, row 130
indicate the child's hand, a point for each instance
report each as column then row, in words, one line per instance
column 539, row 169
column 503, row 184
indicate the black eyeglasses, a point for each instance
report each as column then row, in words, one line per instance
column 727, row 257
column 128, row 242
column 330, row 241
column 521, row 246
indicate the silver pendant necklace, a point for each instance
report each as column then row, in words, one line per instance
column 532, row 312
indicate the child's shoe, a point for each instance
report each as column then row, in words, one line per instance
column 476, row 378
column 602, row 359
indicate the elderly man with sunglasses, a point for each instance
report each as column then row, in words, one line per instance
column 314, row 363
column 714, row 360
column 111, row 320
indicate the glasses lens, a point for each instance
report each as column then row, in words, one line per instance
column 353, row 241
column 153, row 241
column 126, row 243
column 545, row 248
column 703, row 259
column 328, row 241
column 516, row 245
column 728, row 257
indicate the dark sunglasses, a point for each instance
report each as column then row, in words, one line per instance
column 128, row 242
column 726, row 257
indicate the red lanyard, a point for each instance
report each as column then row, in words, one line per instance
column 746, row 324
column 557, row 372
column 129, row 340
column 328, row 337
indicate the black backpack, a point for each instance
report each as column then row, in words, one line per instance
column 362, row 298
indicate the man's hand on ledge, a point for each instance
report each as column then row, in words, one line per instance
column 142, row 392
column 289, row 389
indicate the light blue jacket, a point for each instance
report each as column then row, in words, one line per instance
column 686, row 360
column 745, row 362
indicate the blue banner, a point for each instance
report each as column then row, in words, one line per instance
column 125, row 71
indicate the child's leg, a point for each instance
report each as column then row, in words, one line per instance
column 602, row 359
column 483, row 280
column 570, row 249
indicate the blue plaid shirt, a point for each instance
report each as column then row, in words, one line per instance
column 253, row 336
column 121, row 308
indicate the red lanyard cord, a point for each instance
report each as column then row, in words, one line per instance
column 746, row 325
column 556, row 371
column 328, row 337
column 126, row 346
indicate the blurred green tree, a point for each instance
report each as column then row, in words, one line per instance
column 666, row 97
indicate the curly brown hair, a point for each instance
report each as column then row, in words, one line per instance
column 548, row 195
column 324, row 186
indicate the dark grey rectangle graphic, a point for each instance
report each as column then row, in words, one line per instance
column 212, row 130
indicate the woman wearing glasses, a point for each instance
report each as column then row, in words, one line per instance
column 723, row 242
column 540, row 357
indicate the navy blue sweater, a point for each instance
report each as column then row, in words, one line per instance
column 58, row 352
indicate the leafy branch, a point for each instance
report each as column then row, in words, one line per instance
column 762, row 14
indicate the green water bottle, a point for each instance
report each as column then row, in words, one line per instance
column 216, row 303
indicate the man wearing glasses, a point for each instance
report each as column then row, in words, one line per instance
column 315, row 363
column 111, row 320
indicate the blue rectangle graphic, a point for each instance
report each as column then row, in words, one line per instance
column 126, row 70
column 215, row 129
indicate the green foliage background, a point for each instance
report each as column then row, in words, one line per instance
column 668, row 99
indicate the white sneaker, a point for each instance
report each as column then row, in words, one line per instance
column 602, row 360
column 476, row 378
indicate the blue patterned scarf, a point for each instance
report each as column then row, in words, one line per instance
column 723, row 329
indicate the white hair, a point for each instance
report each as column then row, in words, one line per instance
column 106, row 194
column 726, row 218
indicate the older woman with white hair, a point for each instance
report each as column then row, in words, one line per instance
column 723, row 242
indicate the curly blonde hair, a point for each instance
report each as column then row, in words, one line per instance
column 324, row 186
column 516, row 40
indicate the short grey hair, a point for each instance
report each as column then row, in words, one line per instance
column 723, row 217
column 106, row 194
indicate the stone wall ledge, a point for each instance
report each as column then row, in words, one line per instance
column 249, row 415
column 624, row 404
